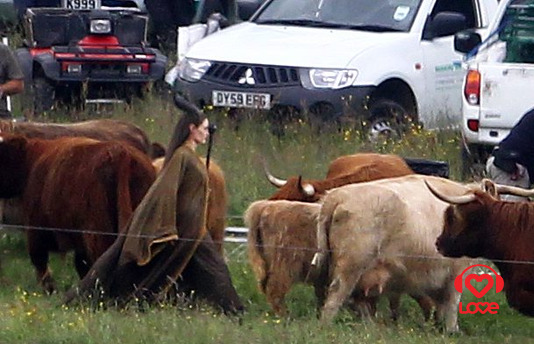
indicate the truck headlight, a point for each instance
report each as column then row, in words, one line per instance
column 193, row 70
column 100, row 26
column 327, row 78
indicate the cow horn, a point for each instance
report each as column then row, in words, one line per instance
column 275, row 181
column 451, row 199
column 514, row 190
column 306, row 188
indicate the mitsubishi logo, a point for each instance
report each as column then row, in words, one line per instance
column 247, row 78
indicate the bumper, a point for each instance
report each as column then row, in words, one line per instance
column 485, row 136
column 333, row 102
column 102, row 70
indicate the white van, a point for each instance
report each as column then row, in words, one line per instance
column 386, row 62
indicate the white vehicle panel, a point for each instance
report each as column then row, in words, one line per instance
column 506, row 93
column 287, row 45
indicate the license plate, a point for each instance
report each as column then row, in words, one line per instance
column 81, row 4
column 241, row 99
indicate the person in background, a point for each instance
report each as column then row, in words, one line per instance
column 11, row 78
column 512, row 161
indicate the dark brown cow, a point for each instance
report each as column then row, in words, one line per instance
column 478, row 225
column 72, row 184
column 99, row 129
column 344, row 170
column 217, row 202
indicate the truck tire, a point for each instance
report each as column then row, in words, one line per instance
column 43, row 95
column 388, row 119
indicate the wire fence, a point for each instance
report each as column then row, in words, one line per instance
column 235, row 242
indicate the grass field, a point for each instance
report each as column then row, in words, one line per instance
column 29, row 316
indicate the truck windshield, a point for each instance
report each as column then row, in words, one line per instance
column 370, row 15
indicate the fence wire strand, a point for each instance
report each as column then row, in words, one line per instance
column 235, row 242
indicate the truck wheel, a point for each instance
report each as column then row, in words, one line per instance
column 387, row 120
column 43, row 95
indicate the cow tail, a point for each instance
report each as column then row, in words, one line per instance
column 321, row 259
column 124, row 198
column 252, row 219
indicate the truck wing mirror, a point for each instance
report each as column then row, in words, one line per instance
column 466, row 40
column 444, row 24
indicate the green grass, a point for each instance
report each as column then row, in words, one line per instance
column 29, row 316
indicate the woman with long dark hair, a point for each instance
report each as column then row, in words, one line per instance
column 166, row 247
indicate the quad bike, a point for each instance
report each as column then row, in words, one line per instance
column 90, row 55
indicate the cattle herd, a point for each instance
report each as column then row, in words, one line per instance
column 371, row 228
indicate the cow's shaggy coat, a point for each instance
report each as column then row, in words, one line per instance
column 83, row 190
column 98, row 129
column 282, row 224
column 342, row 171
column 392, row 224
column 281, row 245
column 500, row 231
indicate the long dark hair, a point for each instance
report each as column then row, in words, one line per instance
column 191, row 115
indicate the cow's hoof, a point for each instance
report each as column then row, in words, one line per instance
column 48, row 284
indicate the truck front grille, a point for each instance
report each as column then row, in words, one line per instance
column 252, row 76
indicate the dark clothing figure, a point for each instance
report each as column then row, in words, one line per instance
column 512, row 162
column 11, row 78
column 166, row 246
column 518, row 146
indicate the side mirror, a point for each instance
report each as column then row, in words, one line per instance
column 466, row 40
column 444, row 24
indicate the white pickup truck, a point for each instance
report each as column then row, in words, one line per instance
column 499, row 83
column 386, row 62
